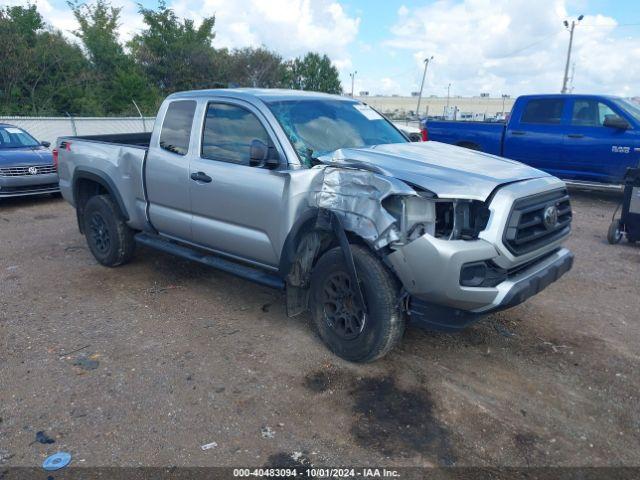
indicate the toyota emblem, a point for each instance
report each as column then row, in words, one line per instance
column 550, row 217
column 33, row 170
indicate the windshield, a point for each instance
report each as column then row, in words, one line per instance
column 13, row 137
column 318, row 127
column 631, row 108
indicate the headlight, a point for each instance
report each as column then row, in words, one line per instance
column 416, row 216
column 441, row 218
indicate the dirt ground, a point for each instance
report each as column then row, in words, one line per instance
column 144, row 364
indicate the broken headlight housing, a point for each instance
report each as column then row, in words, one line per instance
column 451, row 219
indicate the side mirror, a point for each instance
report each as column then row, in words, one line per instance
column 615, row 121
column 45, row 144
column 262, row 155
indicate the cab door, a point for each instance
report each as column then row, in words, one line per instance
column 167, row 171
column 536, row 137
column 238, row 209
column 593, row 151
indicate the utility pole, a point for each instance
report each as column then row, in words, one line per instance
column 353, row 77
column 424, row 74
column 566, row 67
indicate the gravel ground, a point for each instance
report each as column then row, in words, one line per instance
column 144, row 364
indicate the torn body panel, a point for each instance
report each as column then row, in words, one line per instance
column 356, row 196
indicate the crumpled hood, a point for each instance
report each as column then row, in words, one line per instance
column 16, row 157
column 446, row 170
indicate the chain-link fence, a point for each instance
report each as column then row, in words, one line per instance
column 50, row 128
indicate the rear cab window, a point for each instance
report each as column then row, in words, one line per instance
column 176, row 127
column 543, row 111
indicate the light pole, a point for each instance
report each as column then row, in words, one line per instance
column 566, row 68
column 424, row 74
column 353, row 77
column 448, row 90
column 504, row 97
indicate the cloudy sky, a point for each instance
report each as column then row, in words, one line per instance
column 495, row 46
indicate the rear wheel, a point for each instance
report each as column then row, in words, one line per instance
column 614, row 235
column 340, row 321
column 108, row 236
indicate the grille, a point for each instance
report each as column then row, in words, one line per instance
column 24, row 171
column 526, row 230
column 29, row 188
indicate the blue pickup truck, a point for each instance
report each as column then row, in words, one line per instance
column 579, row 138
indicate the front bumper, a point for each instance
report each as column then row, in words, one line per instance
column 512, row 292
column 530, row 281
column 28, row 185
column 429, row 269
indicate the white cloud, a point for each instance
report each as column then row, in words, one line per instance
column 513, row 47
column 290, row 27
column 60, row 17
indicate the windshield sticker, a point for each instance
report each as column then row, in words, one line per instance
column 13, row 130
column 368, row 112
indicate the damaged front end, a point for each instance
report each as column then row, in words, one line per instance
column 385, row 211
column 443, row 239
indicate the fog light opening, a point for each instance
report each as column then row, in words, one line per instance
column 473, row 274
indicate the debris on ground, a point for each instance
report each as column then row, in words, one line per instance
column 65, row 354
column 554, row 347
column 267, row 432
column 158, row 289
column 43, row 438
column 87, row 363
column 56, row 461
column 504, row 331
column 74, row 248
column 208, row 446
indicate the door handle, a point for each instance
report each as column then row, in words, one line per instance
column 201, row 177
column 575, row 135
column 518, row 132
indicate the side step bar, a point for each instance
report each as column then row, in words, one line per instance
column 244, row 271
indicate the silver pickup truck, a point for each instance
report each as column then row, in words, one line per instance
column 322, row 196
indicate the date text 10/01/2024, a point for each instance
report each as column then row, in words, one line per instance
column 317, row 472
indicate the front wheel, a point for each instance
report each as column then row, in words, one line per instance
column 614, row 235
column 108, row 236
column 340, row 321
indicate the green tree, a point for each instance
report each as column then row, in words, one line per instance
column 116, row 80
column 40, row 72
column 174, row 54
column 257, row 67
column 314, row 72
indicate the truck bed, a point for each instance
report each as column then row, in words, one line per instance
column 138, row 139
column 108, row 158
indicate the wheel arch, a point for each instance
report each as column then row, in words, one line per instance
column 88, row 182
column 469, row 145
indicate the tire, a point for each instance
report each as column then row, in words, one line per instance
column 614, row 235
column 109, row 238
column 384, row 325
